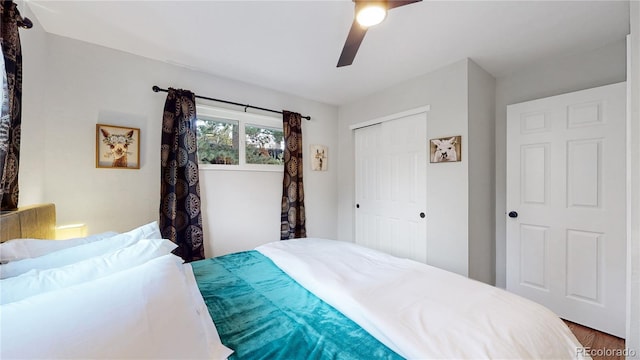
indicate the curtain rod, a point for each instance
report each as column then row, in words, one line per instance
column 155, row 88
column 22, row 22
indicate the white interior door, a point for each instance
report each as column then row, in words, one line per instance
column 566, row 181
column 391, row 186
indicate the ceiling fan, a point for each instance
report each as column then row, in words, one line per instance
column 368, row 13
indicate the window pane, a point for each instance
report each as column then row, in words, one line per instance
column 264, row 145
column 217, row 141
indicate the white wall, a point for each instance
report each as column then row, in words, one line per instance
column 602, row 66
column 633, row 255
column 33, row 136
column 85, row 84
column 445, row 91
column 481, row 165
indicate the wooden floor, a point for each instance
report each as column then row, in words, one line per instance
column 603, row 346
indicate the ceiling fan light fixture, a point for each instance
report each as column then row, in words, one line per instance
column 371, row 14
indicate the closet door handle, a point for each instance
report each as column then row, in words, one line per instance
column 513, row 214
column 422, row 215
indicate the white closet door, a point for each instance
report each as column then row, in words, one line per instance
column 566, row 237
column 391, row 159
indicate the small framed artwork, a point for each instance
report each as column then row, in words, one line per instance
column 447, row 149
column 319, row 157
column 117, row 147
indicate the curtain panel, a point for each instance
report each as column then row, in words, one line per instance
column 180, row 206
column 10, row 118
column 292, row 218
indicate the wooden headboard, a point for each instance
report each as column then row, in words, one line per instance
column 30, row 222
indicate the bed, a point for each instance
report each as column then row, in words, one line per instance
column 125, row 296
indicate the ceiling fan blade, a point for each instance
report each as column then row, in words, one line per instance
column 351, row 45
column 357, row 32
column 397, row 3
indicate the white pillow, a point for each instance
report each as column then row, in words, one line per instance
column 18, row 249
column 143, row 312
column 39, row 281
column 148, row 231
column 80, row 252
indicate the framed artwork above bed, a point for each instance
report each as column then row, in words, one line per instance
column 117, row 147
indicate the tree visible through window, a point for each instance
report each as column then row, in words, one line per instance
column 264, row 145
column 240, row 139
column 218, row 141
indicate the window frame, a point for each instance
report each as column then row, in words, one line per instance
column 205, row 112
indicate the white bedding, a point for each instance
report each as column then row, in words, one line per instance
column 110, row 298
column 420, row 311
column 127, row 315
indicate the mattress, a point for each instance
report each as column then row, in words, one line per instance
column 420, row 311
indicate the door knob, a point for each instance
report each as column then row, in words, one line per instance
column 358, row 206
column 513, row 214
column 422, row 215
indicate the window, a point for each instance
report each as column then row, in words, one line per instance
column 264, row 145
column 217, row 141
column 233, row 140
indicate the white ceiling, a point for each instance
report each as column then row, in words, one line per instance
column 293, row 46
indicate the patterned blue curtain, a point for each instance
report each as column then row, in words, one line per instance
column 180, row 216
column 10, row 117
column 292, row 218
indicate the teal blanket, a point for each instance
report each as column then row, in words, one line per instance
column 262, row 313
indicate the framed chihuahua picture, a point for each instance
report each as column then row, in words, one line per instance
column 447, row 149
column 117, row 147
